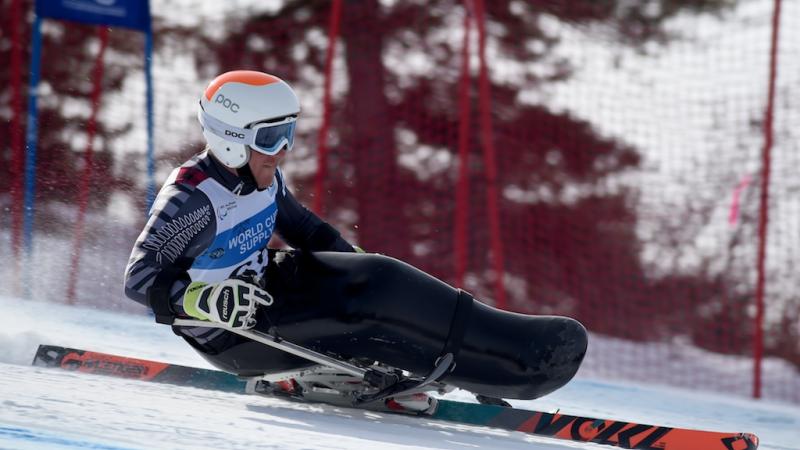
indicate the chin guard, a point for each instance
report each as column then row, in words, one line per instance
column 248, row 180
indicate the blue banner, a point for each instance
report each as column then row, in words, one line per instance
column 121, row 13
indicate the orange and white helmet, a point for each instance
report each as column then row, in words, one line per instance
column 246, row 108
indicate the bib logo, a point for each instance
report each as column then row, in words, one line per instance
column 217, row 253
column 227, row 103
column 222, row 211
column 249, row 236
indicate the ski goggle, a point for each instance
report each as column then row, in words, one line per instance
column 268, row 138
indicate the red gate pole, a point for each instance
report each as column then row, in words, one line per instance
column 763, row 217
column 17, row 150
column 83, row 194
column 489, row 156
column 460, row 250
column 322, row 139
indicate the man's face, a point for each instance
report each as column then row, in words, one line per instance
column 263, row 167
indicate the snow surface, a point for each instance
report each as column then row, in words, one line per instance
column 53, row 409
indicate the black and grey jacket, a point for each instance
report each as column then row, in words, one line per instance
column 201, row 228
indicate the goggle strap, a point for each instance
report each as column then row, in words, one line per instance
column 228, row 132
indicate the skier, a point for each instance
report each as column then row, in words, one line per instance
column 203, row 252
column 203, row 255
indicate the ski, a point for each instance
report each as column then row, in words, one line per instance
column 136, row 369
column 628, row 435
column 621, row 434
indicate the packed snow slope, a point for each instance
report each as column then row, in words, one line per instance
column 53, row 409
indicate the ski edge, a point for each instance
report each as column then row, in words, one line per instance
column 619, row 434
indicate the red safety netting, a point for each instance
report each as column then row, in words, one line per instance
column 622, row 187
column 577, row 158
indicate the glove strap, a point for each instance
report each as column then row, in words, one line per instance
column 194, row 294
column 458, row 325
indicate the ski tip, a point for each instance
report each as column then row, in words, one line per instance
column 680, row 439
column 48, row 355
column 748, row 439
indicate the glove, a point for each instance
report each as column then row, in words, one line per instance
column 232, row 302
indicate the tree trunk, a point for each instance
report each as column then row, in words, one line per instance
column 370, row 133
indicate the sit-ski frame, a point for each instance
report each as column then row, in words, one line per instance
column 388, row 384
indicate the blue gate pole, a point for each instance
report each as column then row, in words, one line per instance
column 151, row 177
column 30, row 155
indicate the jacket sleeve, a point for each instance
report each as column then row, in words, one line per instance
column 180, row 228
column 301, row 228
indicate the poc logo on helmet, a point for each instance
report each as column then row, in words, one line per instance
column 234, row 134
column 227, row 103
